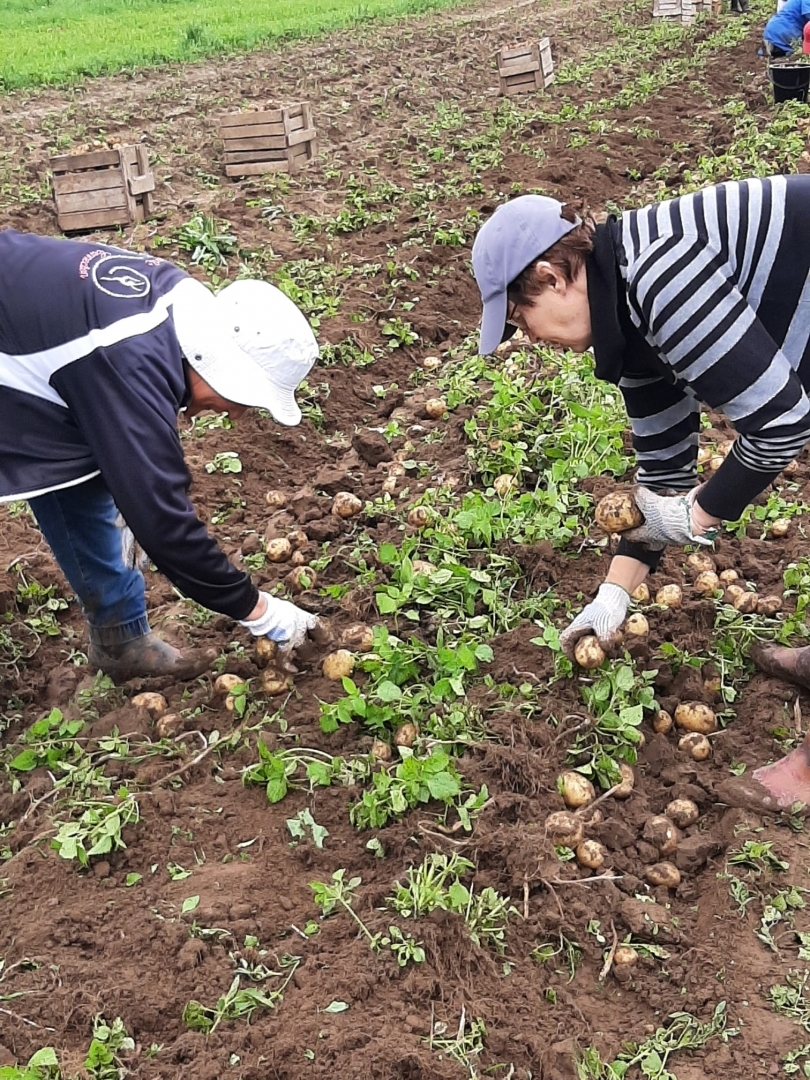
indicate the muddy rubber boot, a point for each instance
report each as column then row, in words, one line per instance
column 783, row 663
column 776, row 787
column 148, row 657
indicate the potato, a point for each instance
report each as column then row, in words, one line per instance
column 273, row 683
column 662, row 722
column 724, row 447
column 670, row 596
column 155, row 704
column 695, row 744
column 389, row 486
column 769, row 605
column 732, row 593
column 642, row 594
column 707, row 583
column 346, row 505
column 618, row 512
column 704, row 455
column 266, row 651
column 747, row 602
column 381, row 750
column 713, row 684
column 338, row 665
column 504, row 484
column 791, row 469
column 695, row 716
column 406, row 735
column 278, row 550
column 298, row 558
column 422, row 566
column 170, row 725
column 625, row 956
column 358, row 637
column 700, row 563
column 435, row 408
column 590, row 854
column 576, row 789
column 637, row 625
column 624, row 789
column 300, row 579
column 662, row 834
column 780, row 527
column 727, row 577
column 418, row 517
column 276, row 500
column 298, row 539
column 588, row 653
column 664, row 874
column 225, row 683
column 565, row 829
column 716, row 461
column 682, row 812
column 430, row 363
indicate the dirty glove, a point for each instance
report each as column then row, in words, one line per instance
column 602, row 617
column 131, row 551
column 284, row 623
column 667, row 520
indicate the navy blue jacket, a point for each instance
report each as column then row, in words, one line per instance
column 91, row 381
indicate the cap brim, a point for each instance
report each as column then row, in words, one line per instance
column 493, row 322
column 245, row 384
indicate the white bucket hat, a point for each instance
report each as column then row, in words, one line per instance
column 250, row 343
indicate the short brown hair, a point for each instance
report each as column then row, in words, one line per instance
column 567, row 256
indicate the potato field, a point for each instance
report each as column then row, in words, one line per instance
column 353, row 872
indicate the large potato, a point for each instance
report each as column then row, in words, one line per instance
column 618, row 512
column 663, row 873
column 695, row 716
column 576, row 789
column 565, row 829
column 155, row 704
column 588, row 653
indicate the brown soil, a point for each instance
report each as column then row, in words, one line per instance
column 96, row 946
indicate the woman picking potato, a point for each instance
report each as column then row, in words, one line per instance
column 705, row 298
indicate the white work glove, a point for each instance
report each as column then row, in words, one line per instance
column 284, row 623
column 602, row 617
column 667, row 520
column 131, row 551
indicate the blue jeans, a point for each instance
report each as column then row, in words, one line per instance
column 79, row 525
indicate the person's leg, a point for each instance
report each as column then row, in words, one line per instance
column 79, row 524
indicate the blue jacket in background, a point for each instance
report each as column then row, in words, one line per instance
column 785, row 28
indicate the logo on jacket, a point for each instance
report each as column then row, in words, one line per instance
column 115, row 276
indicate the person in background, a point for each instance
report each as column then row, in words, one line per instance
column 100, row 349
column 784, row 31
column 704, row 298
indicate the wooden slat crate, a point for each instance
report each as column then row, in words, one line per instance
column 260, row 142
column 525, row 67
column 682, row 11
column 102, row 188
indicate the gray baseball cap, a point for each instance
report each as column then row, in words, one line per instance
column 517, row 233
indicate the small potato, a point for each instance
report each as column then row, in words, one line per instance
column 590, row 854
column 346, row 505
column 418, row 517
column 358, row 637
column 662, row 834
column 696, row 745
column 682, row 812
column 700, row 563
column 707, row 583
column 588, row 653
column 435, row 408
column 155, row 704
column 266, row 651
column 791, row 469
column 406, row 735
column 300, row 579
column 769, row 606
column 780, row 527
column 273, row 683
column 504, row 484
column 642, row 594
column 637, row 625
column 278, row 550
column 624, row 789
column 276, row 500
column 662, row 722
column 716, row 461
column 381, row 750
column 338, row 665
column 664, row 874
column 704, row 455
column 695, row 716
column 169, row 725
column 430, row 363
column 576, row 789
column 713, row 684
column 617, row 513
column 422, row 566
column 670, row 596
column 298, row 539
column 732, row 593
column 747, row 602
column 389, row 486
column 298, row 558
column 565, row 829
column 625, row 956
column 225, row 683
column 728, row 577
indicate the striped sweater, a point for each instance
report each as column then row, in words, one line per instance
column 717, row 283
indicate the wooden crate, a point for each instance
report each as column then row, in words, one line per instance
column 682, row 11
column 102, row 188
column 525, row 67
column 260, row 142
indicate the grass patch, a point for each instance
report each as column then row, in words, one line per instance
column 60, row 41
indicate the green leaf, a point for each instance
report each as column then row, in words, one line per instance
column 132, row 879
column 44, row 1058
column 388, row 554
column 388, row 691
column 443, row 786
column 336, row 1007
column 386, row 605
column 277, row 787
column 25, row 762
column 190, row 903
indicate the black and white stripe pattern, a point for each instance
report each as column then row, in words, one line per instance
column 718, row 282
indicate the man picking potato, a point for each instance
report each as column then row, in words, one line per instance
column 100, row 349
column 705, row 298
